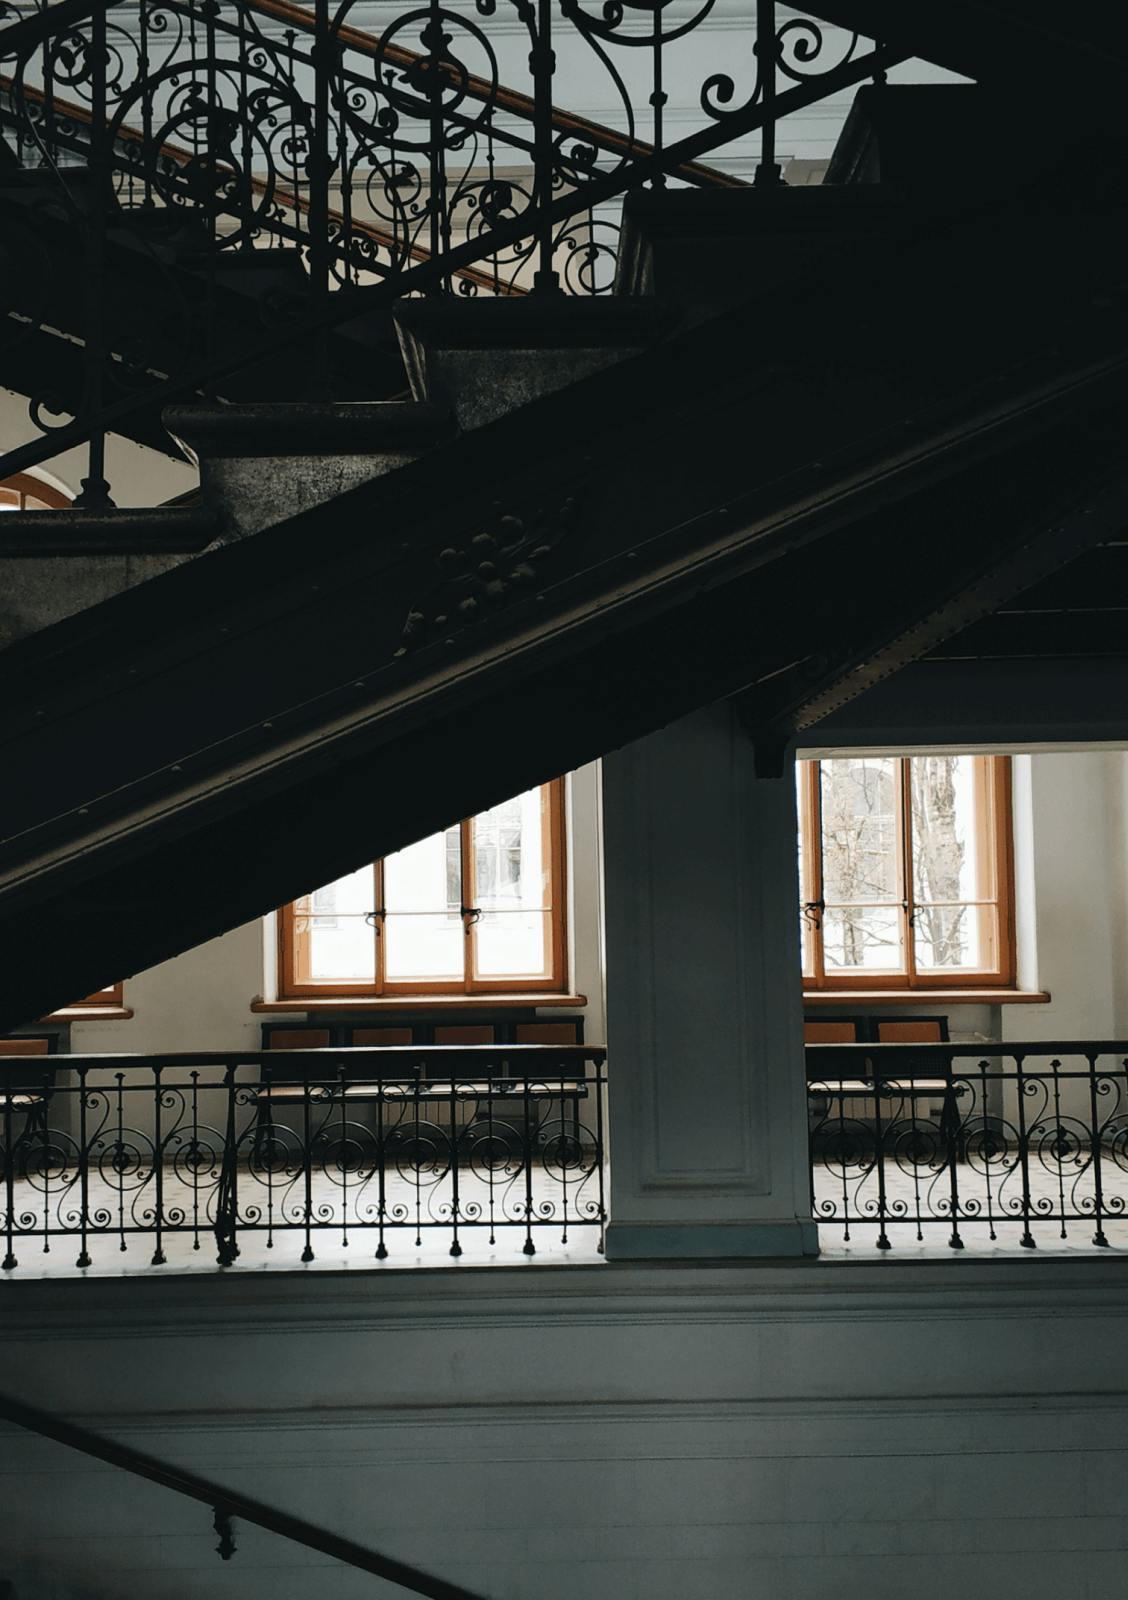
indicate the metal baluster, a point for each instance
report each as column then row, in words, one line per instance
column 528, row 1248
column 564, row 1154
column 246, row 155
column 767, row 50
column 44, row 1136
column 1099, row 1238
column 415, row 1164
column 344, row 1156
column 381, row 1175
column 842, row 1163
column 987, row 1151
column 317, row 171
column 489, row 1155
column 1027, row 1241
column 50, row 133
column 95, row 492
column 542, row 65
column 915, row 1153
column 432, row 38
column 146, row 99
column 810, row 1137
column 1059, row 1145
column 227, row 1198
column 9, row 1176
column 950, row 1121
column 307, row 1163
column 455, row 1247
column 83, row 1259
column 490, row 168
column 344, row 242
column 158, row 1164
column 658, row 97
column 883, row 1242
column 600, row 1084
column 119, row 1156
column 195, row 1147
column 210, row 165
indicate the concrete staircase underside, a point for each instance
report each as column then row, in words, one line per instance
column 735, row 509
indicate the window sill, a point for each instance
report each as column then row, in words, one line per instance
column 422, row 1002
column 90, row 1014
column 919, row 997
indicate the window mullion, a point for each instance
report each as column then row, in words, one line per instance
column 812, row 817
column 469, row 892
column 908, row 904
column 379, row 927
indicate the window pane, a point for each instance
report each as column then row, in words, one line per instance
column 512, row 937
column 341, row 944
column 859, row 831
column 949, row 848
column 862, row 938
column 423, row 930
column 961, row 938
column 423, row 948
column 801, row 770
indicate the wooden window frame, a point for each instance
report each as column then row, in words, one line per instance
column 993, row 819
column 291, row 960
column 23, row 484
column 112, row 995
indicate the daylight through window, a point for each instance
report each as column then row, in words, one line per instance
column 905, row 872
column 477, row 909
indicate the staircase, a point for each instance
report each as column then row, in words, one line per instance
column 813, row 434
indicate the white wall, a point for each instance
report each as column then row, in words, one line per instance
column 821, row 1431
column 1073, row 883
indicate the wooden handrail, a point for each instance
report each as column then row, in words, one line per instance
column 322, row 1056
column 978, row 1048
column 228, row 1503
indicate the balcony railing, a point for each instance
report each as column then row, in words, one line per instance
column 975, row 1145
column 382, row 1153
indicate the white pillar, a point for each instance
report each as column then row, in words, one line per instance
column 707, row 1096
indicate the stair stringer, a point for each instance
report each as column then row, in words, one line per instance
column 326, row 691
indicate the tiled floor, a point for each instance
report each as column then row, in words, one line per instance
column 418, row 1229
column 990, row 1202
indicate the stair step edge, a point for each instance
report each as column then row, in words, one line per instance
column 300, row 429
column 161, row 530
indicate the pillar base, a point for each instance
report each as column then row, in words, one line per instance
column 655, row 1241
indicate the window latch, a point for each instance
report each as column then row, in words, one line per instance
column 375, row 920
column 470, row 915
column 812, row 912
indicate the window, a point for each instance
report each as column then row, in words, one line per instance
column 114, row 995
column 905, row 872
column 22, row 492
column 476, row 909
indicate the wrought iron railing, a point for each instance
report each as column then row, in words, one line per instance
column 185, row 136
column 381, row 1152
column 982, row 1144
